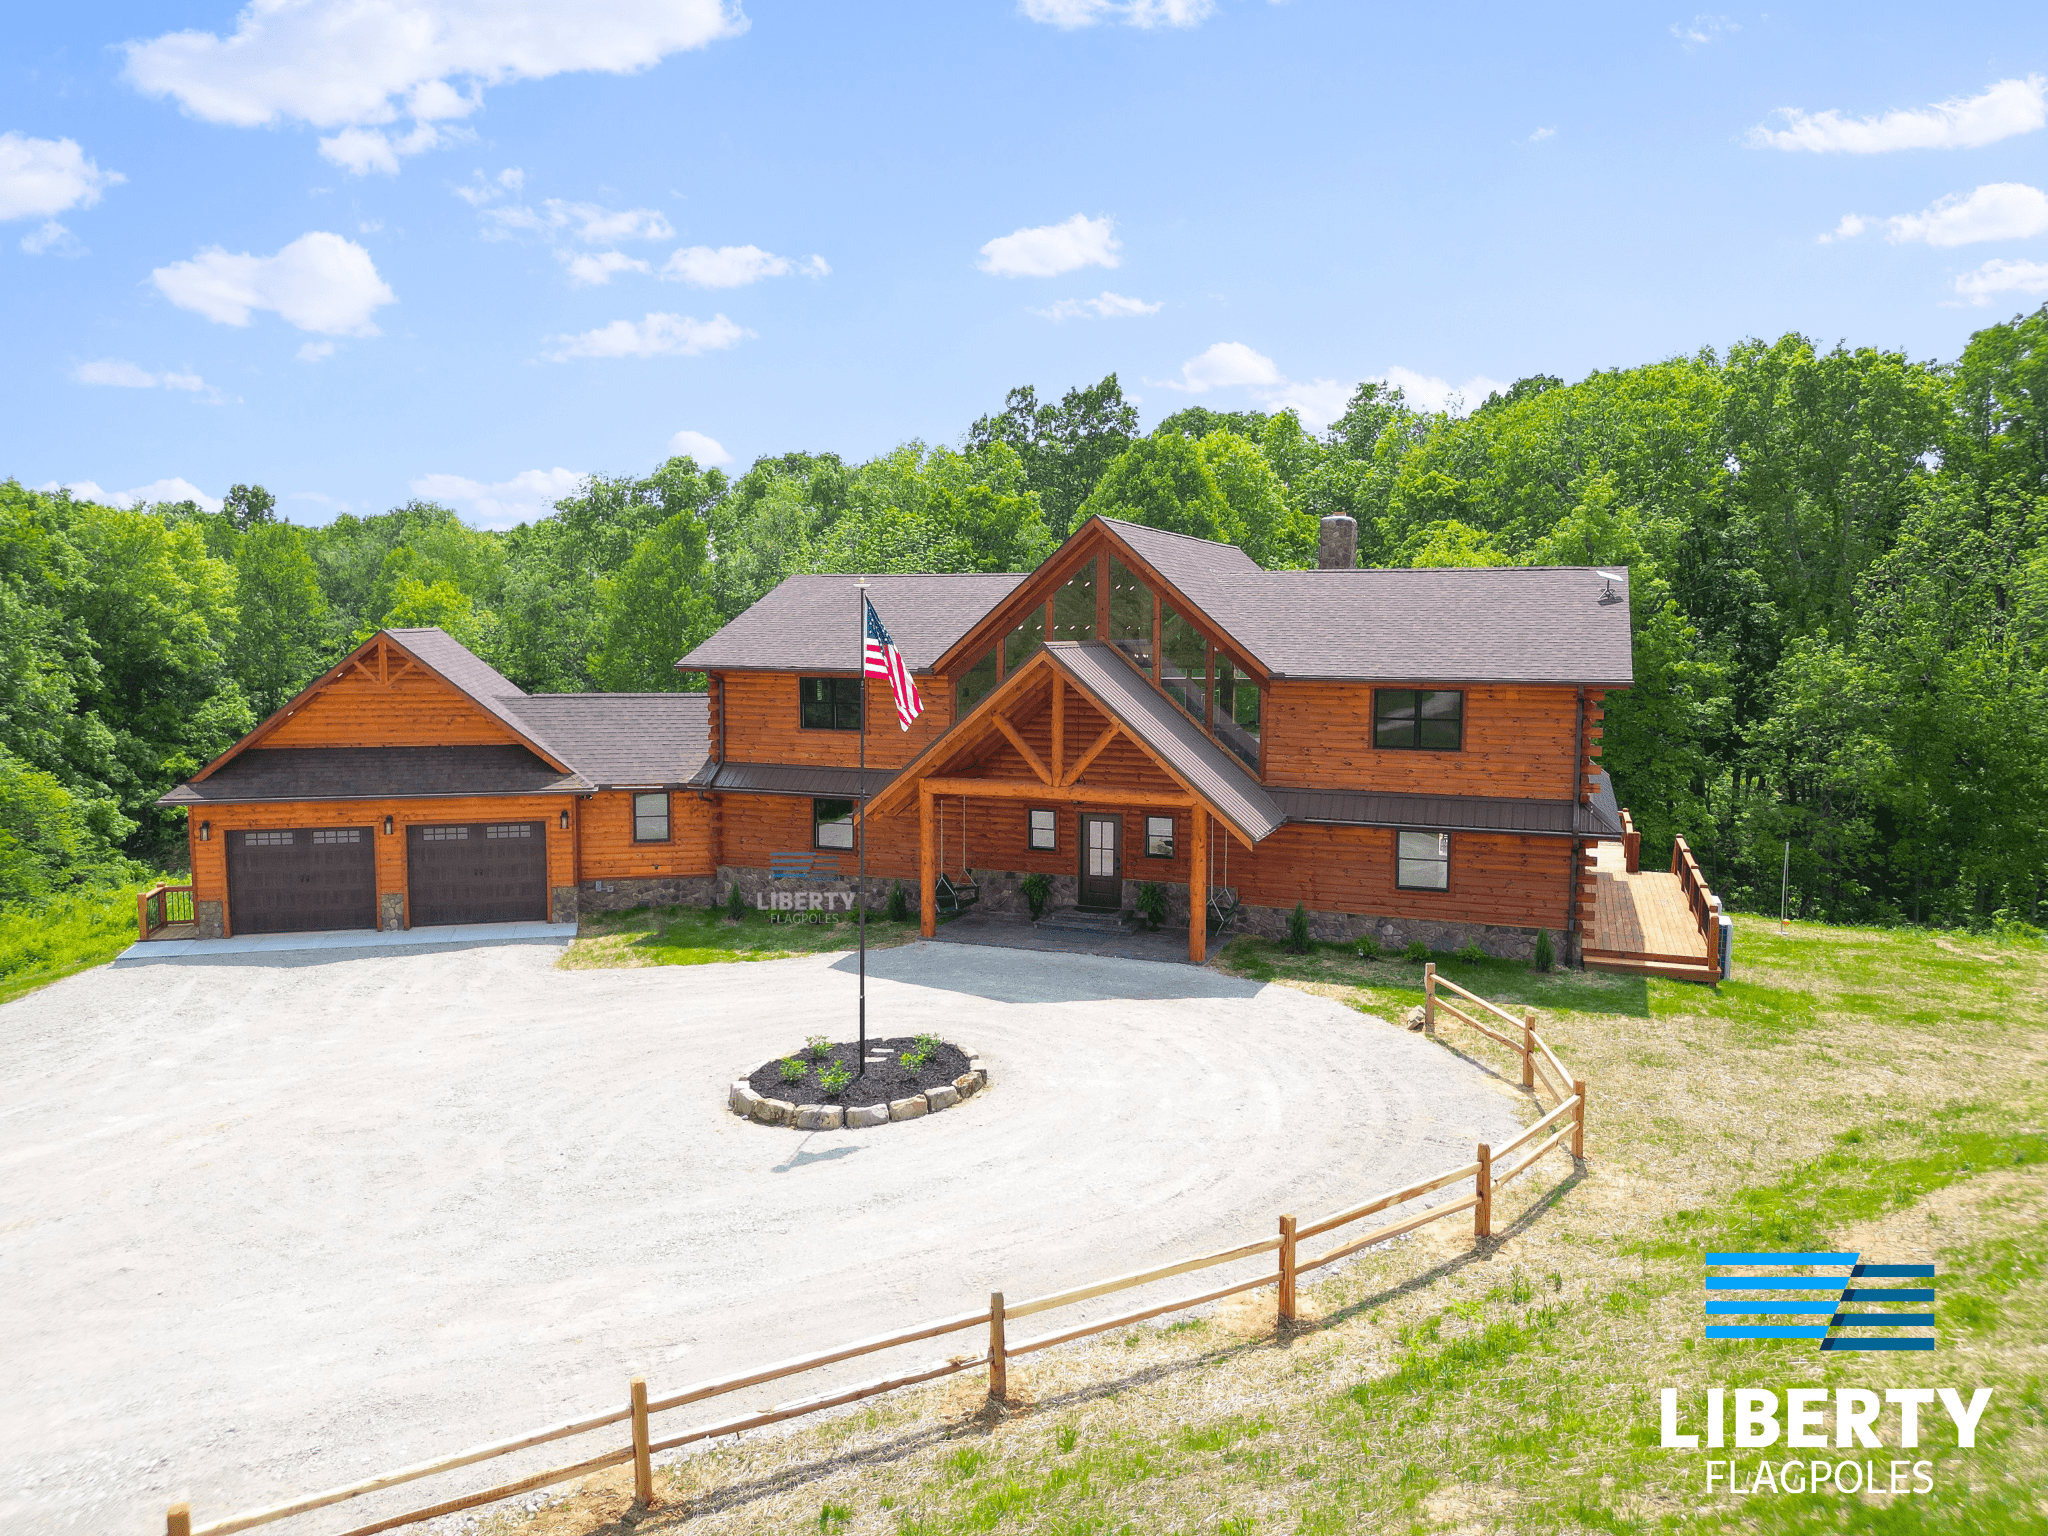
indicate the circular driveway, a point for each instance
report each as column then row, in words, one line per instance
column 273, row 1223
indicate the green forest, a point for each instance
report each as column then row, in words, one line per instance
column 1839, row 565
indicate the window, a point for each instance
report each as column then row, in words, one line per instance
column 1158, row 837
column 1043, row 829
column 1236, row 715
column 341, row 835
column 525, row 828
column 831, row 823
column 1073, row 606
column 976, row 683
column 1130, row 616
column 1183, row 661
column 829, row 703
column 1422, row 861
column 444, row 834
column 1418, row 719
column 650, row 818
column 1023, row 640
column 266, row 839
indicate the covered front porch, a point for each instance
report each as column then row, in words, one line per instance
column 1078, row 769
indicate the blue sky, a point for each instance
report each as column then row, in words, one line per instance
column 361, row 250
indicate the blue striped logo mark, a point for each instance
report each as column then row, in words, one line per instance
column 805, row 865
column 1824, row 1299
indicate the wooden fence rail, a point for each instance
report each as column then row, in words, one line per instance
column 1565, row 1122
column 161, row 905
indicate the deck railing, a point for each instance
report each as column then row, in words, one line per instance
column 1706, row 906
column 1565, row 1124
column 161, row 905
column 1631, row 844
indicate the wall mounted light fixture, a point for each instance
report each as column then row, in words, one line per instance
column 206, row 831
column 387, row 826
column 565, row 821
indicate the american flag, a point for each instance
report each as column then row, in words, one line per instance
column 880, row 658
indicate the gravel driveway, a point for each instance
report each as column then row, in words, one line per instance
column 273, row 1223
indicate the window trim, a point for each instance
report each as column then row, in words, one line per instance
column 1172, row 840
column 668, row 815
column 860, row 696
column 1416, row 745
column 1449, row 848
column 818, row 821
column 1031, row 832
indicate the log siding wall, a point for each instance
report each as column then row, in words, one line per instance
column 1518, row 742
column 760, row 722
column 415, row 710
column 607, row 851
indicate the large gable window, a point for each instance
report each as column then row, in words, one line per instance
column 1183, row 661
column 976, row 683
column 1418, row 719
column 1237, row 710
column 1073, row 606
column 1130, row 615
column 829, row 703
column 1023, row 640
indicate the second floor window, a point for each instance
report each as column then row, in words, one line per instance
column 1418, row 719
column 829, row 703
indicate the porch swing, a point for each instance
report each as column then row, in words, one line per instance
column 1224, row 902
column 949, row 896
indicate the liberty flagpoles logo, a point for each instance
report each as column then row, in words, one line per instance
column 1829, row 1314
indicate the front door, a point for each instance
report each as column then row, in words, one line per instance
column 1102, row 875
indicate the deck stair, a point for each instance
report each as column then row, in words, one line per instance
column 1650, row 923
column 1075, row 920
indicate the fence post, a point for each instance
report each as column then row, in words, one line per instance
column 1286, row 1269
column 1579, row 1121
column 141, row 915
column 179, row 1521
column 998, row 1351
column 1529, row 1048
column 643, row 1462
column 1482, row 1213
column 1429, row 998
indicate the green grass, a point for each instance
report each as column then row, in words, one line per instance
column 1394, row 983
column 69, row 934
column 699, row 936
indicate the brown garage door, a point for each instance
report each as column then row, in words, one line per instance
column 492, row 872
column 302, row 880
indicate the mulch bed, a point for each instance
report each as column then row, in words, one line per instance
column 886, row 1078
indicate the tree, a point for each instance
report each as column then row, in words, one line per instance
column 285, row 624
column 656, row 610
column 1065, row 448
column 1164, row 482
column 442, row 605
column 249, row 506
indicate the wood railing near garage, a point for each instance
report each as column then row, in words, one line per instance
column 160, row 906
column 1565, row 1123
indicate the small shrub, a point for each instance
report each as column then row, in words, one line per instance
column 1297, row 929
column 735, row 902
column 1368, row 948
column 928, row 1042
column 792, row 1069
column 832, row 1516
column 1416, row 951
column 817, row 1047
column 1471, row 952
column 899, row 903
column 913, row 1060
column 1067, row 1437
column 1546, row 957
column 835, row 1078
column 1151, row 904
column 1037, row 890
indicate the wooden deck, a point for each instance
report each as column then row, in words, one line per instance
column 174, row 931
column 1642, row 923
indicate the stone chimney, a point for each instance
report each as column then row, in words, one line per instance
column 1339, row 547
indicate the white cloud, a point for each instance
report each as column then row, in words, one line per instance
column 173, row 489
column 526, row 496
column 316, row 351
column 1317, row 402
column 587, row 271
column 1852, row 225
column 1541, row 134
column 1051, row 249
column 320, row 282
column 734, row 266
column 39, row 177
column 1427, row 393
column 37, row 241
column 125, row 375
column 1225, row 364
column 2004, row 109
column 2002, row 210
column 1136, row 13
column 658, row 335
column 484, row 189
column 362, row 64
column 1104, row 306
column 1702, row 30
column 2001, row 276
column 585, row 221
column 705, row 450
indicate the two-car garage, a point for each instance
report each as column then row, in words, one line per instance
column 309, row 879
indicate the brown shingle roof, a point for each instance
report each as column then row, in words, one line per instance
column 813, row 622
column 622, row 738
column 375, row 773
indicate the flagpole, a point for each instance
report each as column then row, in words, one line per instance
column 861, row 898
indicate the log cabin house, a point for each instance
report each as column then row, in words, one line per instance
column 1408, row 753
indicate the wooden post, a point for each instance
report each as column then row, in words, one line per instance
column 1482, row 1213
column 1579, row 1122
column 927, row 865
column 142, row 914
column 1286, row 1269
column 179, row 1521
column 1429, row 998
column 998, row 1351
column 643, row 1462
column 1529, row 1048
column 1059, row 729
column 1198, row 886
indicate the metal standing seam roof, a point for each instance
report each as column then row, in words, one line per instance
column 376, row 773
column 1442, row 813
column 813, row 622
column 794, row 779
column 1212, row 772
column 622, row 738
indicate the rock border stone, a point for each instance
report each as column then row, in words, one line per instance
column 749, row 1105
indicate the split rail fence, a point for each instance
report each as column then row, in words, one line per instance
column 1488, row 1172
